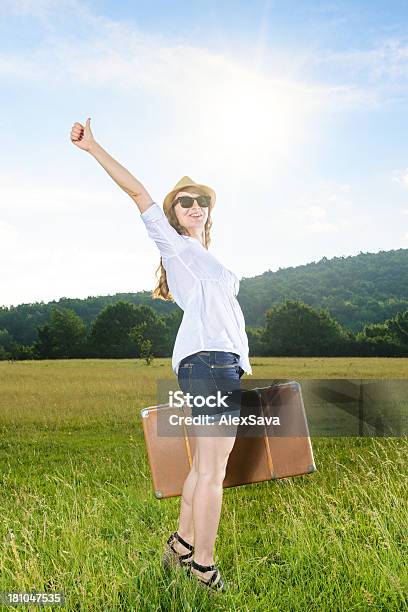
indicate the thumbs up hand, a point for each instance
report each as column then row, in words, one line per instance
column 82, row 136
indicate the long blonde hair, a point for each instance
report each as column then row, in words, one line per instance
column 161, row 291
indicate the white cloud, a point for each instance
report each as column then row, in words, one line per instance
column 253, row 123
column 388, row 60
column 401, row 177
column 321, row 211
column 316, row 211
column 19, row 200
column 40, row 9
column 321, row 228
column 371, row 77
column 100, row 51
column 9, row 236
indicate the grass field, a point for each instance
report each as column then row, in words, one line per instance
column 78, row 514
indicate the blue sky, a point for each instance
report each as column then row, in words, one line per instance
column 294, row 112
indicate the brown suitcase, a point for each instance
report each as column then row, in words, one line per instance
column 260, row 452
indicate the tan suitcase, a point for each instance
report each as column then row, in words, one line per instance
column 261, row 452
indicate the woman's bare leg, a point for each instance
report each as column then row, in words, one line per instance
column 207, row 499
column 186, row 524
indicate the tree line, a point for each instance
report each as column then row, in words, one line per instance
column 125, row 330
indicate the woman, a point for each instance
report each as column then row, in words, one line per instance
column 210, row 352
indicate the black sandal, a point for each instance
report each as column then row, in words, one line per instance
column 172, row 558
column 215, row 582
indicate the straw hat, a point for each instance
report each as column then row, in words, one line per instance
column 186, row 181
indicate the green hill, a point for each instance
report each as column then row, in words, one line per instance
column 359, row 289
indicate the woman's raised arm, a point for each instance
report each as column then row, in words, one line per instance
column 83, row 138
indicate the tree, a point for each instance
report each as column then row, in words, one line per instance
column 63, row 337
column 110, row 334
column 294, row 328
column 6, row 344
column 398, row 327
column 376, row 330
column 256, row 341
column 144, row 345
column 22, row 351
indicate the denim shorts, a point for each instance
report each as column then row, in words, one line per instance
column 204, row 374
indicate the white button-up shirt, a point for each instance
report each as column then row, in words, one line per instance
column 203, row 288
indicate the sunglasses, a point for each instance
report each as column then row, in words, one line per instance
column 187, row 201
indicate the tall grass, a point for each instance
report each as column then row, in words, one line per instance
column 78, row 512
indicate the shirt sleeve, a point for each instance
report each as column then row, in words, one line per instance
column 167, row 239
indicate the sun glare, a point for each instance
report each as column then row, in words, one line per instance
column 252, row 118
